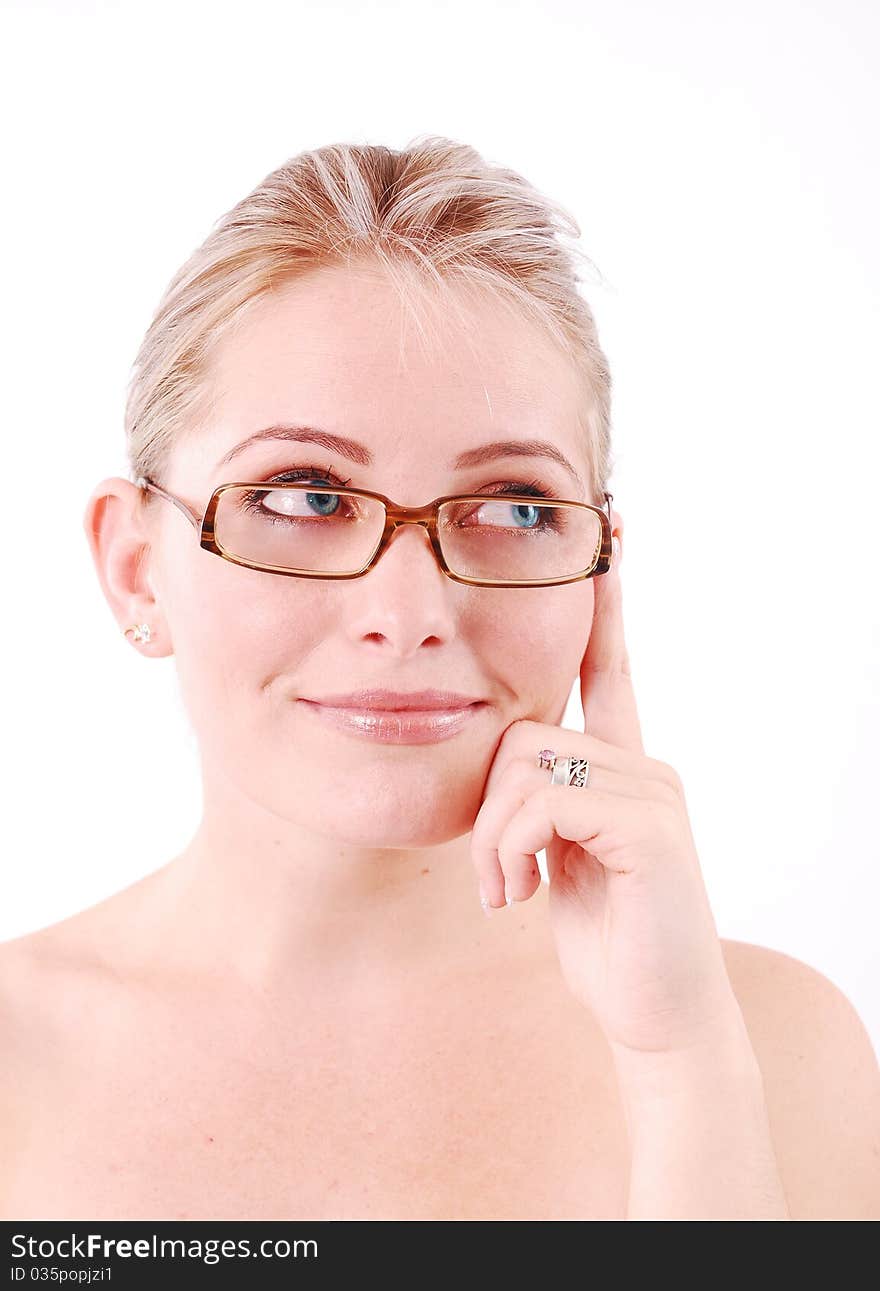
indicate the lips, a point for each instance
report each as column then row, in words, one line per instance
column 393, row 701
column 400, row 725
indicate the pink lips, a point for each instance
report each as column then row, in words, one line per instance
column 400, row 724
column 392, row 700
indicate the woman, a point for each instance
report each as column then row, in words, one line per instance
column 351, row 995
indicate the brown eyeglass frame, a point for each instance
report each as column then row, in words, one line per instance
column 395, row 517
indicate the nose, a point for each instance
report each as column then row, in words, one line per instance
column 405, row 600
column 407, row 544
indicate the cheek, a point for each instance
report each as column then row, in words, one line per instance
column 237, row 632
column 537, row 640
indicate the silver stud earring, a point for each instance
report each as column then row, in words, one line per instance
column 141, row 631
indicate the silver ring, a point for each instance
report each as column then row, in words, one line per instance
column 571, row 771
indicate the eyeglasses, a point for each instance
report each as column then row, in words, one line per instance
column 481, row 539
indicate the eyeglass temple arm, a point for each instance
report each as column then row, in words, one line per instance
column 195, row 520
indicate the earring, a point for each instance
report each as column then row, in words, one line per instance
column 141, row 631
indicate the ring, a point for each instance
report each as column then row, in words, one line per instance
column 546, row 759
column 571, row 771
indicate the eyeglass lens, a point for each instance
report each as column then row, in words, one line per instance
column 491, row 538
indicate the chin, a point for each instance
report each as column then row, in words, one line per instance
column 382, row 812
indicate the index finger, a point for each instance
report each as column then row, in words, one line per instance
column 607, row 693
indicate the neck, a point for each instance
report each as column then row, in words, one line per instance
column 256, row 902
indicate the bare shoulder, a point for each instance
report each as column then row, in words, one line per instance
column 26, row 964
column 81, row 952
column 42, row 980
column 54, row 979
column 62, row 988
column 821, row 1082
column 30, row 1003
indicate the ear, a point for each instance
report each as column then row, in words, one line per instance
column 617, row 530
column 122, row 548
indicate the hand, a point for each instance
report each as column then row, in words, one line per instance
column 629, row 911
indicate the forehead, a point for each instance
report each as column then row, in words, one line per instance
column 340, row 348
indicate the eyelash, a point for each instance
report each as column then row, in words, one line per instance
column 319, row 475
column 316, row 473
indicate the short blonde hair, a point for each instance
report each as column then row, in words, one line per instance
column 431, row 213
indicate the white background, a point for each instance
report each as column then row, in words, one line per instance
column 722, row 163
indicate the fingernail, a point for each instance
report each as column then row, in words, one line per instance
column 615, row 549
column 484, row 902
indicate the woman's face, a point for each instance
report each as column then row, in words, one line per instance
column 336, row 351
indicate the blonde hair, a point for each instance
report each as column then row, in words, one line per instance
column 431, row 213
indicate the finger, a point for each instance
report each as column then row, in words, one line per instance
column 523, row 740
column 509, row 793
column 519, row 876
column 607, row 693
column 622, row 833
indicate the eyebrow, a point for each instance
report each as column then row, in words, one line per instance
column 362, row 456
